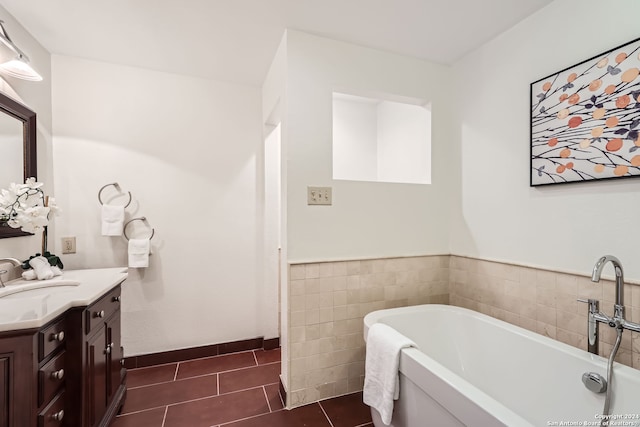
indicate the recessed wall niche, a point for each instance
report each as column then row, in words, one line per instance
column 381, row 140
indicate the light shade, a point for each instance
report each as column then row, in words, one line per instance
column 18, row 66
column 20, row 69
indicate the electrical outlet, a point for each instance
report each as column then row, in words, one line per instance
column 68, row 245
column 319, row 196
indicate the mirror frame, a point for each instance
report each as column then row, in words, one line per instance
column 30, row 163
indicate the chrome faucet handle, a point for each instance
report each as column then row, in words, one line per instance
column 593, row 304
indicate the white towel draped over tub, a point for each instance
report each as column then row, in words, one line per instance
column 381, row 383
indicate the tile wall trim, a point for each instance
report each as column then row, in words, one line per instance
column 370, row 258
column 627, row 280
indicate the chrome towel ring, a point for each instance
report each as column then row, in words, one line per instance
column 115, row 184
column 143, row 219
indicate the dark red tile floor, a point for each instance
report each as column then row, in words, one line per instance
column 232, row 390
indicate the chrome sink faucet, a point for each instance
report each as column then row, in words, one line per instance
column 12, row 261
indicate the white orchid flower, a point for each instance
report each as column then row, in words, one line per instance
column 24, row 205
column 31, row 183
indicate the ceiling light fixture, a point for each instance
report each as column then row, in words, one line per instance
column 19, row 66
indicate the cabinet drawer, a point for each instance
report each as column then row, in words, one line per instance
column 53, row 414
column 50, row 378
column 50, row 338
column 102, row 309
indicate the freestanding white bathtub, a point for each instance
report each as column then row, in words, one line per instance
column 474, row 370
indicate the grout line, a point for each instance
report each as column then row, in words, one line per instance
column 172, row 381
column 199, row 398
column 247, row 418
column 325, row 414
column 124, row 414
column 189, row 360
column 255, row 357
column 152, row 366
column 175, row 374
column 164, row 419
column 218, row 384
column 249, row 367
column 202, row 375
column 280, row 397
column 267, row 397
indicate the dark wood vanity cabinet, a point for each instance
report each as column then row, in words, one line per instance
column 68, row 372
column 104, row 369
column 101, row 388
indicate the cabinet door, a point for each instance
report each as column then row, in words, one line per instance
column 4, row 391
column 114, row 356
column 17, row 381
column 96, row 376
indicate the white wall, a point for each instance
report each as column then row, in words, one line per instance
column 497, row 214
column 274, row 105
column 366, row 219
column 186, row 148
column 37, row 96
column 354, row 139
column 404, row 143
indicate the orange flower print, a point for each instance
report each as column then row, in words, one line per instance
column 623, row 101
column 621, row 57
column 595, row 85
column 574, row 122
column 630, row 75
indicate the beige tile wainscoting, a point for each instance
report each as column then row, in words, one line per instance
column 328, row 300
column 544, row 301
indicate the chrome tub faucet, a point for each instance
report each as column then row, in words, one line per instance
column 617, row 265
column 617, row 321
column 596, row 316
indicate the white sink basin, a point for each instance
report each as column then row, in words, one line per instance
column 33, row 288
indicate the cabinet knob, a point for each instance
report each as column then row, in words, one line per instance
column 57, row 375
column 99, row 313
column 116, row 298
column 58, row 416
column 57, row 337
column 108, row 349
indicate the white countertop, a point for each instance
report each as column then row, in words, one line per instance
column 31, row 304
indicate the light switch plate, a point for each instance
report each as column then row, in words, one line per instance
column 319, row 196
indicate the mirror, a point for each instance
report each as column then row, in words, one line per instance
column 18, row 142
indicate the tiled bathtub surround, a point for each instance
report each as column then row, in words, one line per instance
column 544, row 302
column 327, row 303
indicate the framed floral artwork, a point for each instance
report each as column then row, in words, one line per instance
column 585, row 120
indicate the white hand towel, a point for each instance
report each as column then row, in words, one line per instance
column 381, row 383
column 112, row 220
column 56, row 271
column 42, row 267
column 29, row 275
column 139, row 253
